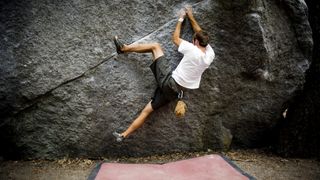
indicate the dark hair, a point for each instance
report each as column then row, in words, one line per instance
column 202, row 37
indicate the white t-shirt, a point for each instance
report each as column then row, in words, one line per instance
column 194, row 62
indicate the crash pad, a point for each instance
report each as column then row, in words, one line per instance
column 207, row 167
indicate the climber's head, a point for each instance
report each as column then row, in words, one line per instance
column 201, row 37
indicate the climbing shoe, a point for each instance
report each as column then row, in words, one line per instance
column 119, row 44
column 118, row 136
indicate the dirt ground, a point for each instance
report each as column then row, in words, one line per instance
column 258, row 163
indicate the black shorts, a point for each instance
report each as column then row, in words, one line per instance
column 167, row 89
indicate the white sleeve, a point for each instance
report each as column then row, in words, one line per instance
column 210, row 55
column 185, row 47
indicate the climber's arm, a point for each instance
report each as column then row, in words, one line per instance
column 195, row 26
column 176, row 34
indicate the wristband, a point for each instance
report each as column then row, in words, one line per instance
column 180, row 19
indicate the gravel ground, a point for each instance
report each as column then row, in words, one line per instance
column 258, row 163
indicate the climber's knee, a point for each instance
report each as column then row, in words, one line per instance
column 157, row 51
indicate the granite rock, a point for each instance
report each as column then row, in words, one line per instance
column 298, row 131
column 64, row 90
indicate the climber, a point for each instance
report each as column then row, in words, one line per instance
column 198, row 55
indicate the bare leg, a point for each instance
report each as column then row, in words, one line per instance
column 157, row 52
column 153, row 48
column 137, row 123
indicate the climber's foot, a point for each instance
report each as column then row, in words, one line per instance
column 119, row 44
column 119, row 137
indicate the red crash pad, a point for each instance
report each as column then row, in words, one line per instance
column 201, row 168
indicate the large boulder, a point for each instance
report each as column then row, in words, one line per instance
column 298, row 132
column 64, row 90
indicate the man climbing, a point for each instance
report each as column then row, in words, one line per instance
column 197, row 56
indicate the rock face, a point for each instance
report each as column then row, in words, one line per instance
column 299, row 133
column 64, row 90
